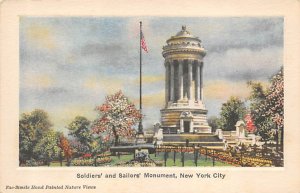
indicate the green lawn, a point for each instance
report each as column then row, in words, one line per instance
column 122, row 158
column 188, row 160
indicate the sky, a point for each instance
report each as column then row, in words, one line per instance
column 69, row 64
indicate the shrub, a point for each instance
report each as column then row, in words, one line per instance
column 33, row 163
column 90, row 161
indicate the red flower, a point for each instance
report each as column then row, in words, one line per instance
column 87, row 155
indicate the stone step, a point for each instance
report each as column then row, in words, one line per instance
column 203, row 144
column 191, row 138
column 215, row 147
column 191, row 134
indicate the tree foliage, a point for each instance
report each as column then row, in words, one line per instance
column 80, row 129
column 267, row 106
column 117, row 117
column 32, row 127
column 214, row 122
column 231, row 112
column 65, row 147
column 258, row 108
column 97, row 146
column 275, row 99
column 47, row 148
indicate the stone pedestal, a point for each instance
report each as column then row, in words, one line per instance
column 184, row 120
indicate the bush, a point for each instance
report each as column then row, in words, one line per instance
column 33, row 163
column 90, row 161
column 138, row 164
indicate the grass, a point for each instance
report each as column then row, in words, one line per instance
column 188, row 160
column 122, row 158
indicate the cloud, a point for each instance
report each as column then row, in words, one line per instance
column 260, row 33
column 41, row 35
column 243, row 64
column 152, row 100
column 37, row 81
column 102, row 49
column 62, row 116
column 109, row 85
column 221, row 34
column 148, row 79
column 114, row 56
column 222, row 89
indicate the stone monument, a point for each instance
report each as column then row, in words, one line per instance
column 184, row 110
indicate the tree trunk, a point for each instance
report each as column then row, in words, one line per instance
column 174, row 158
column 116, row 136
column 277, row 139
column 68, row 161
column 60, row 159
column 116, row 140
column 95, row 161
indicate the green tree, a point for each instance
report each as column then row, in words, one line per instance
column 48, row 147
column 231, row 112
column 258, row 108
column 79, row 128
column 32, row 127
column 267, row 108
column 96, row 148
column 214, row 122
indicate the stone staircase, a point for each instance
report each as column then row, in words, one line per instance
column 202, row 139
column 230, row 137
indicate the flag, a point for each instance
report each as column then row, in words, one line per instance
column 143, row 43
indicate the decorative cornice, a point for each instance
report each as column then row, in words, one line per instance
column 184, row 56
column 200, row 51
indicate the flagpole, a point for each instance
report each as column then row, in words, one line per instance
column 140, row 66
column 140, row 129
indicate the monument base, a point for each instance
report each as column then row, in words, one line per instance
column 184, row 120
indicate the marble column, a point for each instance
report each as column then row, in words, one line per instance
column 201, row 81
column 167, row 83
column 191, row 127
column 180, row 79
column 172, row 82
column 181, row 126
column 197, row 93
column 190, row 79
